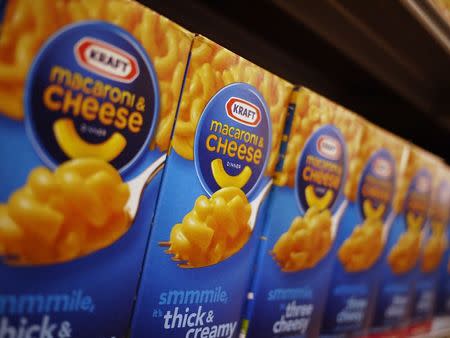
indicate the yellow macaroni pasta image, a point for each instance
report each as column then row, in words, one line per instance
column 405, row 253
column 223, row 179
column 372, row 212
column 306, row 242
column 414, row 222
column 364, row 246
column 75, row 147
column 319, row 202
column 403, row 256
column 215, row 229
column 59, row 216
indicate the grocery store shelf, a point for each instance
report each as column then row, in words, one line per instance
column 432, row 19
column 384, row 38
column 205, row 19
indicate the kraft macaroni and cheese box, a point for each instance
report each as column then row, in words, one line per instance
column 88, row 96
column 210, row 209
column 442, row 214
column 434, row 246
column 402, row 250
column 362, row 231
column 296, row 254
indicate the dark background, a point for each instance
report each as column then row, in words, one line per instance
column 374, row 57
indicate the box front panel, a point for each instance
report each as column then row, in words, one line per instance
column 404, row 244
column 434, row 247
column 295, row 259
column 87, row 103
column 213, row 197
column 443, row 296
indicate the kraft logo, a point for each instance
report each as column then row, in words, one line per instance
column 106, row 60
column 243, row 112
column 329, row 147
column 382, row 168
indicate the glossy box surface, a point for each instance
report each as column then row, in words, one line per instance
column 362, row 232
column 297, row 250
column 213, row 197
column 88, row 95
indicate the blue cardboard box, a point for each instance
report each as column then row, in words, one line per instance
column 88, row 96
column 209, row 215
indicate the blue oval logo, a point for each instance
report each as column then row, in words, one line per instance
column 417, row 200
column 377, row 186
column 321, row 169
column 92, row 92
column 233, row 139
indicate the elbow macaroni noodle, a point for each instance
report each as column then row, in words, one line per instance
column 74, row 147
column 224, row 180
column 362, row 249
column 372, row 212
column 216, row 67
column 322, row 202
column 215, row 229
column 306, row 242
column 61, row 215
column 28, row 24
column 403, row 256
